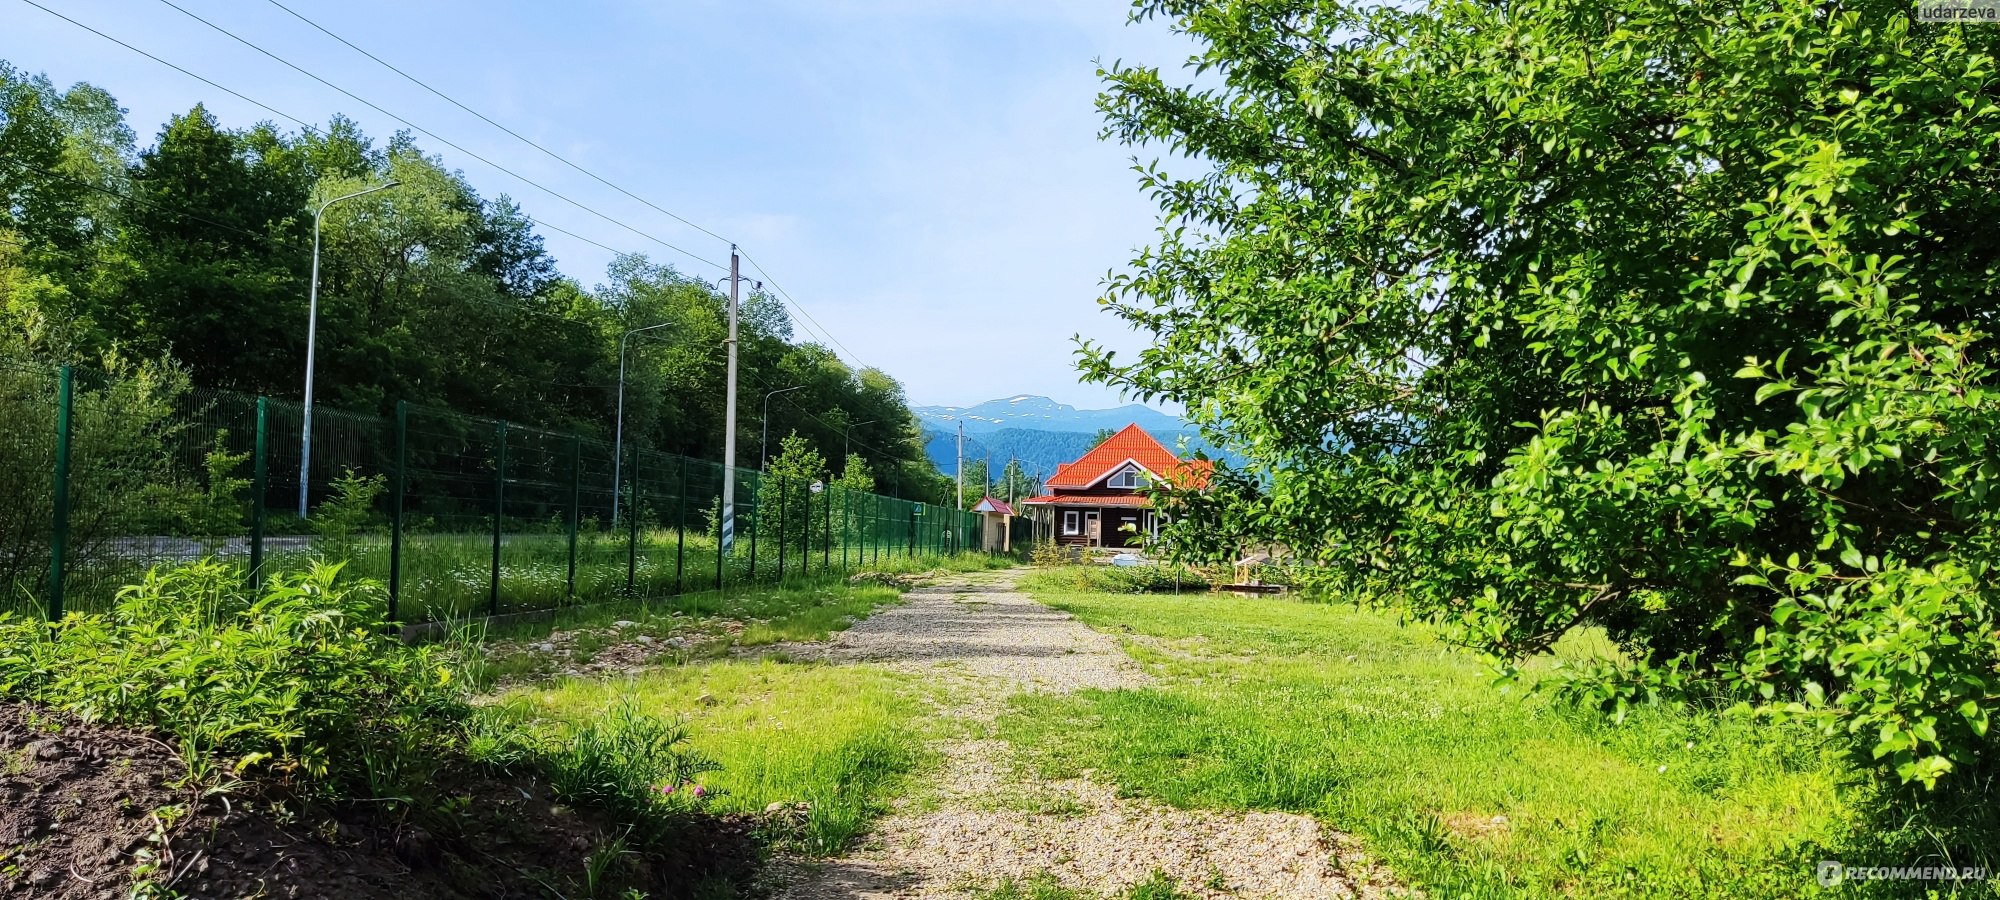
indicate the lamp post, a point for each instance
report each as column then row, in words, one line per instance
column 618, row 442
column 764, row 443
column 312, row 338
column 849, row 433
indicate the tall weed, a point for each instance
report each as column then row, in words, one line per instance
column 298, row 677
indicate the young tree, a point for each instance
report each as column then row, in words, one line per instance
column 1671, row 317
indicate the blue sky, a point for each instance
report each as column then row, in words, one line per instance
column 924, row 178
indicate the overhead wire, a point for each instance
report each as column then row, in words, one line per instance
column 812, row 324
column 815, row 327
column 440, row 138
column 308, row 127
column 488, row 120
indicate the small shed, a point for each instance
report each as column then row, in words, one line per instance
column 995, row 519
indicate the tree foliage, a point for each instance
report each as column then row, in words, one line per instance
column 198, row 248
column 1671, row 317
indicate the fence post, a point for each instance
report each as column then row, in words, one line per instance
column 681, row 529
column 781, row 529
column 59, row 525
column 395, row 502
column 756, row 496
column 632, row 526
column 260, row 474
column 575, row 507
column 846, row 532
column 806, row 533
column 913, row 531
column 826, row 551
column 499, row 510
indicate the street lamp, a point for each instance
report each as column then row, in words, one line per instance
column 848, row 433
column 618, row 443
column 312, row 337
column 764, row 443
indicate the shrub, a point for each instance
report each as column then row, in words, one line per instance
column 1695, row 343
column 345, row 515
column 297, row 677
column 1113, row 579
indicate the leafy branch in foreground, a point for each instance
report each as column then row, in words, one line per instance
column 1674, row 318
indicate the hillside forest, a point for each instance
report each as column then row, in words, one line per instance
column 193, row 251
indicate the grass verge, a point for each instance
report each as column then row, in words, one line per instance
column 1462, row 789
column 839, row 739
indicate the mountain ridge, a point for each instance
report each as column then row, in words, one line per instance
column 1036, row 412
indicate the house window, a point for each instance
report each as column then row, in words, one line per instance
column 1069, row 522
column 1127, row 477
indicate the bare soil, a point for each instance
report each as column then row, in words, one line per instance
column 89, row 812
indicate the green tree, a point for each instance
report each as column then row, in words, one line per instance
column 1674, row 318
column 219, row 251
column 1015, row 483
column 793, row 472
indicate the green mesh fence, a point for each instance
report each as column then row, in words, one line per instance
column 108, row 475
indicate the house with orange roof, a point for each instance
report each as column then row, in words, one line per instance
column 1100, row 500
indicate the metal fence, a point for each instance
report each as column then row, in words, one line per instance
column 103, row 476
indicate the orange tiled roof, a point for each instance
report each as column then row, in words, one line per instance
column 1135, row 444
column 1132, row 500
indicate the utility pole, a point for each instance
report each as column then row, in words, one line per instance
column 729, row 415
column 961, row 465
column 1009, row 476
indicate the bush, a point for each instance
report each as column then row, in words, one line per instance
column 1694, row 344
column 1094, row 579
column 297, row 678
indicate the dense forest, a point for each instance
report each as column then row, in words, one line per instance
column 197, row 250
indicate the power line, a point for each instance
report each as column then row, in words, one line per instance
column 802, row 310
column 169, row 65
column 439, row 138
column 818, row 329
column 308, row 127
column 484, row 118
column 813, row 325
column 765, row 386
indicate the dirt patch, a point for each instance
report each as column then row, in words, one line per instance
column 89, row 812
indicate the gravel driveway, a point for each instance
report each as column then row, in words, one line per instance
column 981, row 819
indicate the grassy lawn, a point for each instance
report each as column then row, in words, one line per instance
column 1463, row 790
column 839, row 738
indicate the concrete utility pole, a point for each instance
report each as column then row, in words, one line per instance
column 961, row 465
column 729, row 414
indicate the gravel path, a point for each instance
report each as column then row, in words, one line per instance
column 983, row 819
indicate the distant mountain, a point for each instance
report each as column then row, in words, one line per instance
column 1037, row 450
column 1043, row 414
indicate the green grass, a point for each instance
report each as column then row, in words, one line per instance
column 839, row 738
column 1381, row 731
column 1045, row 886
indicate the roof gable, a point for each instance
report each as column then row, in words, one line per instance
column 1130, row 445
